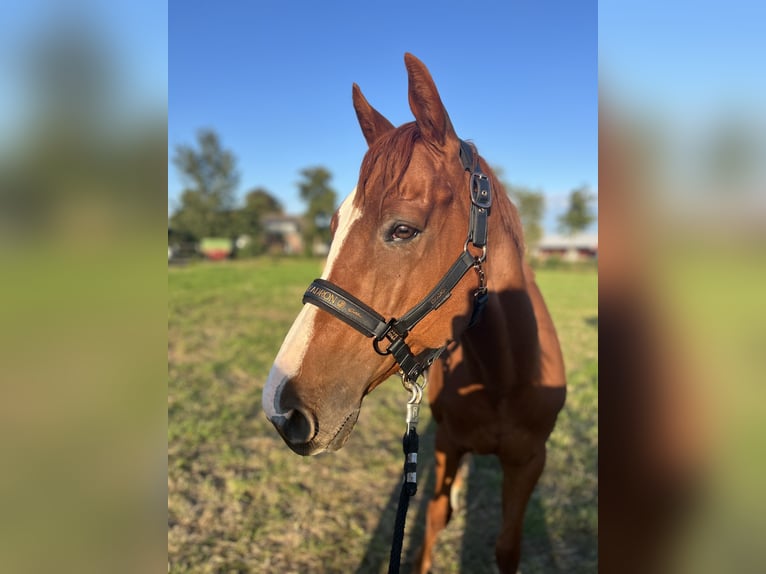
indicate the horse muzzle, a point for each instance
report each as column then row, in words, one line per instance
column 300, row 431
column 303, row 430
column 297, row 427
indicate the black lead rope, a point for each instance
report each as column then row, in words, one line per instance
column 410, row 445
column 409, row 488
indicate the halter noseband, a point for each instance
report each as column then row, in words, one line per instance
column 370, row 323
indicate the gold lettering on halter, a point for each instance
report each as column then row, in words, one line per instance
column 328, row 297
column 438, row 296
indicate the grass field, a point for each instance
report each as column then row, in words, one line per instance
column 240, row 501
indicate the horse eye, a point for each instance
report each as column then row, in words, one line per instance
column 403, row 232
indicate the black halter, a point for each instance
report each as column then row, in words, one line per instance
column 370, row 323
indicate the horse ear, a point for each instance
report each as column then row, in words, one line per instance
column 371, row 121
column 426, row 105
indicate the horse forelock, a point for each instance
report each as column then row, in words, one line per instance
column 386, row 162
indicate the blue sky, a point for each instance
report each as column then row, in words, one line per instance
column 274, row 79
column 691, row 59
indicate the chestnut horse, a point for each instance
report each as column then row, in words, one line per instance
column 499, row 383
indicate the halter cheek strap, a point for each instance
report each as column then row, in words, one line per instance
column 353, row 312
column 481, row 197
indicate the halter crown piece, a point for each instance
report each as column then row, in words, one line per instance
column 352, row 311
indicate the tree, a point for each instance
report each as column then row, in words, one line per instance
column 731, row 157
column 259, row 201
column 258, row 204
column 315, row 190
column 211, row 178
column 579, row 215
column 531, row 207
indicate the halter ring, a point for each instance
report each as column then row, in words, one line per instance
column 481, row 258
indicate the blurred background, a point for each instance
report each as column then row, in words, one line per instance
column 682, row 214
column 85, row 194
column 83, row 132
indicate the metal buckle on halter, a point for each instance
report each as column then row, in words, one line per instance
column 391, row 334
column 481, row 190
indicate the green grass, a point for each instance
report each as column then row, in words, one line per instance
column 240, row 501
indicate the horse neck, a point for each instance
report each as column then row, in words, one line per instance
column 500, row 342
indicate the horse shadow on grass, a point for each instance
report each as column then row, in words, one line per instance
column 479, row 509
column 477, row 521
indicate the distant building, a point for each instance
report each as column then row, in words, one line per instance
column 283, row 234
column 580, row 247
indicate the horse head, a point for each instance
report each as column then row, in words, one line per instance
column 398, row 232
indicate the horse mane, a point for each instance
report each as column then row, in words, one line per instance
column 509, row 215
column 389, row 157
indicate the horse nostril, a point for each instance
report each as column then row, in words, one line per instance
column 296, row 426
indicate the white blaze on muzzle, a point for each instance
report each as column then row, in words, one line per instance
column 290, row 357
